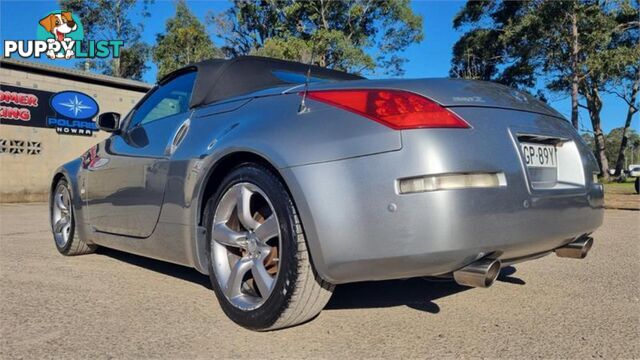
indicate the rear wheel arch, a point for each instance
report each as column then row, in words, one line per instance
column 52, row 186
column 222, row 167
column 69, row 172
column 59, row 175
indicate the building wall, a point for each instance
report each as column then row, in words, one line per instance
column 26, row 176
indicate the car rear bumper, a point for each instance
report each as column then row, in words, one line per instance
column 359, row 227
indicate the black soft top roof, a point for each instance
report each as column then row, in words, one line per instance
column 219, row 79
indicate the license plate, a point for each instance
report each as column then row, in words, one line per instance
column 539, row 155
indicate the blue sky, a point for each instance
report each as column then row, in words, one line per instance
column 430, row 58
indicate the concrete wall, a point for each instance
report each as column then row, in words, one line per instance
column 26, row 177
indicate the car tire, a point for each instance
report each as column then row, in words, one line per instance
column 63, row 222
column 297, row 293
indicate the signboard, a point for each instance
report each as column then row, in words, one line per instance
column 68, row 112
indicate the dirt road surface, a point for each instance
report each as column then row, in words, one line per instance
column 115, row 305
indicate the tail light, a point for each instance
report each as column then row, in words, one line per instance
column 396, row 109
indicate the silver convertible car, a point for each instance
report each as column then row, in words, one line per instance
column 280, row 180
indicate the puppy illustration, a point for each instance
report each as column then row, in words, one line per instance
column 59, row 25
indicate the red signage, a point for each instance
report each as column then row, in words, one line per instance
column 24, row 107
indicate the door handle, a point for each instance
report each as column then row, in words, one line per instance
column 178, row 137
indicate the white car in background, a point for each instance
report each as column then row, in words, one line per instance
column 634, row 171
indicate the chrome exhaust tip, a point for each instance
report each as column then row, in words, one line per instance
column 577, row 249
column 481, row 273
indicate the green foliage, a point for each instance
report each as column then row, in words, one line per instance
column 340, row 53
column 184, row 42
column 112, row 20
column 133, row 60
column 621, row 58
column 355, row 36
column 605, row 47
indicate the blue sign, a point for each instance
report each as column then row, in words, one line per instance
column 74, row 105
column 75, row 112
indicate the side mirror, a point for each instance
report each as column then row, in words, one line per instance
column 109, row 122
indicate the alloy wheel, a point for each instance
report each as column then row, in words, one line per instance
column 62, row 216
column 246, row 245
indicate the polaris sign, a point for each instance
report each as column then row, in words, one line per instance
column 75, row 111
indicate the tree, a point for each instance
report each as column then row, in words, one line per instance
column 112, row 20
column 184, row 42
column 631, row 98
column 614, row 52
column 609, row 49
column 354, row 36
column 625, row 60
column 613, row 140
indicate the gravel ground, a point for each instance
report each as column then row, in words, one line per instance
column 115, row 305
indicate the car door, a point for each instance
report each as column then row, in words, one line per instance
column 126, row 178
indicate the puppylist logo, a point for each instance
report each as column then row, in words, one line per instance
column 60, row 35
